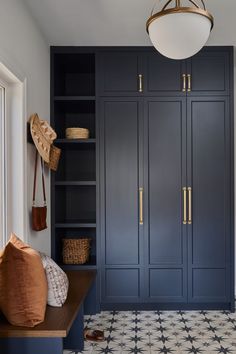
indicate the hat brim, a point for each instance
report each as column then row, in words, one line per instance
column 54, row 158
column 42, row 135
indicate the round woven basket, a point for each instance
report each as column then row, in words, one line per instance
column 77, row 133
column 76, row 251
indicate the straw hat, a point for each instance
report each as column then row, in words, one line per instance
column 42, row 135
column 54, row 158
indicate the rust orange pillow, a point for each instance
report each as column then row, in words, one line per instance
column 23, row 284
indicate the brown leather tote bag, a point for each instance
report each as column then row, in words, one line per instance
column 39, row 214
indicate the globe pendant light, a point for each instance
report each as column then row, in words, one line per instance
column 180, row 32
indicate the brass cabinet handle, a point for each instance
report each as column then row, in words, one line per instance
column 141, row 206
column 140, row 77
column 189, row 83
column 189, row 205
column 184, row 82
column 185, row 205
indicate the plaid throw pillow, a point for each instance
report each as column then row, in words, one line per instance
column 58, row 283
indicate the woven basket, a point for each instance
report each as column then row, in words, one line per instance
column 77, row 133
column 76, row 251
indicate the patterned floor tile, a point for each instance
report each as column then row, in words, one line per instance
column 154, row 332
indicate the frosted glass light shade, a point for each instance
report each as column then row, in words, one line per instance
column 179, row 35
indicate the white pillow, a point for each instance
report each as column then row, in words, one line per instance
column 58, row 282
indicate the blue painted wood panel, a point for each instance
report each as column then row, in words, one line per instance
column 122, row 283
column 166, row 285
column 208, row 181
column 210, row 72
column 121, row 121
column 163, row 76
column 209, row 177
column 209, row 285
column 31, row 345
column 75, row 337
column 121, row 165
column 166, row 176
column 119, row 72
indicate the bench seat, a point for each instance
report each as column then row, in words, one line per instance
column 62, row 326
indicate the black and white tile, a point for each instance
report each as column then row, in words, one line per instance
column 164, row 332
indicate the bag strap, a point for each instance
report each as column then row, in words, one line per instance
column 43, row 182
column 35, row 179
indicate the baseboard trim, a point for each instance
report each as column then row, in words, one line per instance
column 166, row 306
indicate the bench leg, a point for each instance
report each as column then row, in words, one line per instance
column 91, row 303
column 31, row 346
column 75, row 338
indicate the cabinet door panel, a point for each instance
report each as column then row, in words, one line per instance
column 163, row 76
column 209, row 71
column 165, row 126
column 122, row 283
column 121, row 121
column 118, row 73
column 165, row 171
column 166, row 283
column 209, row 284
column 209, row 177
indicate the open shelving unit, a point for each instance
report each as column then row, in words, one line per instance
column 74, row 185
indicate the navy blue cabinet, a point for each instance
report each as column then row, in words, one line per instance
column 132, row 73
column 147, row 73
column 153, row 186
column 207, row 73
column 170, row 245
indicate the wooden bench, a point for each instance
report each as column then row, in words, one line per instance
column 61, row 329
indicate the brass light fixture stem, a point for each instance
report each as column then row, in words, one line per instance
column 177, row 3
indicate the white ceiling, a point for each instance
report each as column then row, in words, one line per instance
column 116, row 22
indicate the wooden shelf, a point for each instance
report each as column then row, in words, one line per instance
column 75, row 141
column 74, row 98
column 90, row 265
column 75, row 225
column 75, row 183
column 86, row 266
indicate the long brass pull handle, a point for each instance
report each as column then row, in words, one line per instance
column 140, row 77
column 141, row 206
column 184, row 82
column 185, row 205
column 189, row 83
column 189, row 205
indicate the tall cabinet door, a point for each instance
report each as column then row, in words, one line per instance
column 120, row 179
column 165, row 178
column 209, row 200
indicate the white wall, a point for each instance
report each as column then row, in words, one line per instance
column 25, row 52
